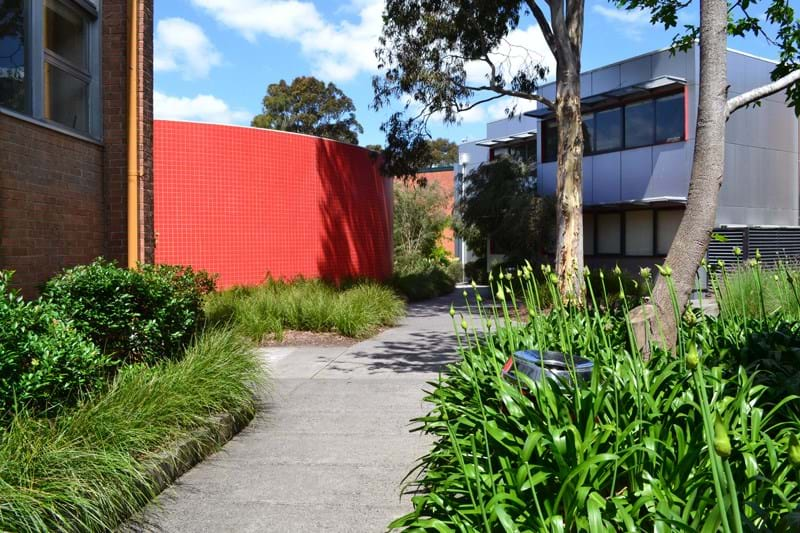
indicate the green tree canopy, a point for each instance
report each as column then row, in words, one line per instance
column 420, row 216
column 443, row 152
column 500, row 202
column 308, row 105
column 431, row 56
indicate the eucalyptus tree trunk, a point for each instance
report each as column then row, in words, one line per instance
column 694, row 233
column 569, row 182
column 566, row 19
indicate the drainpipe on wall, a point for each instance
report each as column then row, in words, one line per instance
column 133, row 133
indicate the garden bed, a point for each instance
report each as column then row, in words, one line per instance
column 703, row 439
column 94, row 465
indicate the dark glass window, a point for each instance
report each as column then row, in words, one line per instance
column 669, row 118
column 550, row 141
column 12, row 55
column 639, row 124
column 588, row 133
column 65, row 33
column 66, row 80
column 608, row 130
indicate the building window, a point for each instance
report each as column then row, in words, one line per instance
column 639, row 124
column 639, row 233
column 12, row 55
column 588, row 133
column 667, row 223
column 609, row 233
column 669, row 118
column 608, row 130
column 588, row 234
column 57, row 80
column 643, row 123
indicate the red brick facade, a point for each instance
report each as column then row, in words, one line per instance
column 246, row 202
column 63, row 198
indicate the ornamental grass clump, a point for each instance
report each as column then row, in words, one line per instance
column 89, row 468
column 690, row 441
column 355, row 309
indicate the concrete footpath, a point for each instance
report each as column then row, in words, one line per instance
column 330, row 446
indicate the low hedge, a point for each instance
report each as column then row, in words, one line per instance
column 420, row 279
column 44, row 359
column 134, row 315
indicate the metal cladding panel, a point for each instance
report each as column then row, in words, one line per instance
column 547, row 179
column 762, row 181
column 671, row 170
column 606, row 79
column 588, row 180
column 606, row 178
column 743, row 184
column 509, row 126
column 586, row 84
column 636, row 71
column 548, row 91
column 731, row 215
column 771, row 125
column 636, row 169
column 747, row 72
column 664, row 63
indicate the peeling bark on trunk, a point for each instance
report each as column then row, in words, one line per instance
column 569, row 184
column 694, row 233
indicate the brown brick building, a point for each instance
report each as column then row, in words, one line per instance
column 64, row 160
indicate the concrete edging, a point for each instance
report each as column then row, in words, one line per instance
column 169, row 465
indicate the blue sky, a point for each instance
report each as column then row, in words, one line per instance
column 215, row 58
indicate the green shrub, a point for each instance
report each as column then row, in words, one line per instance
column 670, row 444
column 476, row 271
column 134, row 315
column 418, row 278
column 44, row 360
column 356, row 309
column 85, row 470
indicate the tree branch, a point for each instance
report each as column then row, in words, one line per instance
column 507, row 92
column 547, row 31
column 760, row 92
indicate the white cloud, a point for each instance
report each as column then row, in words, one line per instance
column 182, row 46
column 631, row 23
column 200, row 108
column 497, row 109
column 339, row 51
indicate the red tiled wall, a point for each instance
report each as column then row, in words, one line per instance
column 246, row 202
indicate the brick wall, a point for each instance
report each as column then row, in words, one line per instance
column 245, row 202
column 51, row 201
column 444, row 178
column 63, row 199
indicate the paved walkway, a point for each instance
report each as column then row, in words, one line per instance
column 330, row 447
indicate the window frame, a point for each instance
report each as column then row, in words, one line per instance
column 37, row 57
column 654, row 97
column 656, row 211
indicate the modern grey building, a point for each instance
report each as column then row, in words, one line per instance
column 639, row 127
